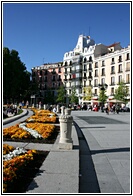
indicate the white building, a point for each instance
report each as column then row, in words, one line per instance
column 90, row 64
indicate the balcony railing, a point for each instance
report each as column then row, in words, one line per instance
column 90, row 77
column 112, row 84
column 112, row 72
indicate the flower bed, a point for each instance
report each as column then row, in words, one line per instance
column 31, row 132
column 44, row 116
column 19, row 168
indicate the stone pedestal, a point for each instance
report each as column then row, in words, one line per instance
column 65, row 141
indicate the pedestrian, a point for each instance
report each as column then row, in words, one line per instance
column 54, row 109
column 113, row 108
column 117, row 108
column 27, row 104
column 107, row 108
column 40, row 105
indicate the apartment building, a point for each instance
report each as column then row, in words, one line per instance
column 90, row 64
column 87, row 65
column 48, row 77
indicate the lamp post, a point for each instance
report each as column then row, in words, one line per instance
column 103, row 87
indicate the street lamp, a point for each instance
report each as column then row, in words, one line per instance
column 103, row 87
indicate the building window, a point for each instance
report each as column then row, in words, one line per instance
column 128, row 56
column 112, row 80
column 84, row 83
column 85, row 60
column 84, row 76
column 95, row 91
column 103, row 81
column 96, row 65
column 120, row 79
column 128, row 78
column 113, row 61
column 95, row 82
column 120, row 59
column 128, row 66
column 103, row 72
column 96, row 73
column 85, row 67
column 103, row 63
column 120, row 68
column 112, row 91
column 90, row 59
column 112, row 70
column 90, row 66
column 53, row 78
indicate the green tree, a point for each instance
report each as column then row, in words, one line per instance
column 16, row 79
column 73, row 97
column 87, row 93
column 102, row 96
column 122, row 92
column 61, row 92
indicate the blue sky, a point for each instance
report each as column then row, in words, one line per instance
column 43, row 32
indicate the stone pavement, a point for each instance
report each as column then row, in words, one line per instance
column 107, row 139
column 98, row 163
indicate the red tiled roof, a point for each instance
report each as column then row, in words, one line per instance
column 112, row 45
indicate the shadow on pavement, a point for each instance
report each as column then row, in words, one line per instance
column 88, row 182
column 110, row 150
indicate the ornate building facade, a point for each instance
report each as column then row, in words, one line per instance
column 87, row 65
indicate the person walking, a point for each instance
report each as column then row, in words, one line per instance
column 117, row 108
column 27, row 104
column 107, row 108
column 113, row 108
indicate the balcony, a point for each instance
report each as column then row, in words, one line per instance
column 95, row 85
column 112, row 84
column 90, row 77
column 128, row 69
column 90, row 69
column 120, row 71
column 119, row 60
column 85, row 70
column 112, row 72
column 84, row 77
column 112, row 62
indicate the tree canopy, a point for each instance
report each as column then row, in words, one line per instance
column 87, row 93
column 16, row 78
column 102, row 96
column 73, row 97
column 61, row 95
column 121, row 92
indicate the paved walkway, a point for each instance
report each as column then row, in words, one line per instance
column 98, row 163
column 107, row 149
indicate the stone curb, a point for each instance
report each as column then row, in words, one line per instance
column 11, row 119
